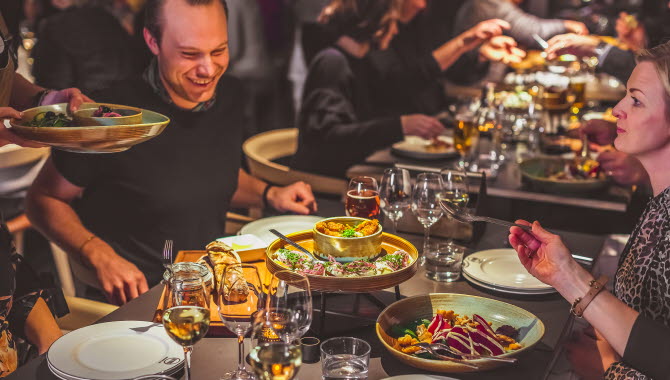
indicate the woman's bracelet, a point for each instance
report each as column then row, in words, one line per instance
column 581, row 303
column 88, row 240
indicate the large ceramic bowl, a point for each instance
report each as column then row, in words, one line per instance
column 531, row 328
column 96, row 139
column 347, row 248
column 83, row 117
column 535, row 171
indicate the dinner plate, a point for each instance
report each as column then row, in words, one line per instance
column 501, row 268
column 507, row 290
column 286, row 224
column 415, row 147
column 419, row 377
column 115, row 351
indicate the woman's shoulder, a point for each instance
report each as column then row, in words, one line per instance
column 330, row 62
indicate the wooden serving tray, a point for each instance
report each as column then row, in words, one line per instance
column 216, row 326
column 390, row 243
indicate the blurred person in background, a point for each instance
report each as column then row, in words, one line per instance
column 522, row 24
column 342, row 119
column 630, row 332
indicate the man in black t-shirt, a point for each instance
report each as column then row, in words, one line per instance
column 114, row 212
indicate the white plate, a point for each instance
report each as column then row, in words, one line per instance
column 501, row 268
column 415, row 147
column 508, row 291
column 419, row 377
column 285, row 224
column 114, row 351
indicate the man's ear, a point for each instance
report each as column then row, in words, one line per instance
column 151, row 41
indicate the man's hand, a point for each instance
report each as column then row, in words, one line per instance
column 6, row 136
column 297, row 198
column 72, row 96
column 576, row 27
column 581, row 46
column 502, row 49
column 421, row 125
column 119, row 278
column 623, row 168
column 483, row 31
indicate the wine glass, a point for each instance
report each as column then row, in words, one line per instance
column 456, row 192
column 394, row 193
column 425, row 202
column 271, row 357
column 238, row 299
column 362, row 198
column 289, row 303
column 187, row 320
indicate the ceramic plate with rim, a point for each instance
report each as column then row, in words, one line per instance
column 286, row 224
column 502, row 269
column 115, row 351
column 508, row 291
column 415, row 147
column 419, row 377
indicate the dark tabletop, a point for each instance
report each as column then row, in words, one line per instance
column 212, row 357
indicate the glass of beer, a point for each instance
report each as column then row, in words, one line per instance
column 577, row 89
column 362, row 198
column 466, row 135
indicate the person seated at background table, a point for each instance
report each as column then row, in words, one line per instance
column 341, row 118
column 114, row 212
column 649, row 29
column 423, row 53
column 632, row 326
column 21, row 315
column 523, row 25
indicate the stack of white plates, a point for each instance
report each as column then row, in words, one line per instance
column 115, row 351
column 500, row 270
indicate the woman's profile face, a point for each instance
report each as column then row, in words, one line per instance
column 642, row 125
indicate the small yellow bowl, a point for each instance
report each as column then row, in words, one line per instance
column 83, row 117
column 347, row 248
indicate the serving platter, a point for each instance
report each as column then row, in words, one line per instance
column 364, row 284
column 91, row 139
column 531, row 329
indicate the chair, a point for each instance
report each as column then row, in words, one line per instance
column 83, row 312
column 265, row 147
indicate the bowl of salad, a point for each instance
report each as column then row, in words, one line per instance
column 55, row 126
column 347, row 238
column 96, row 114
column 563, row 175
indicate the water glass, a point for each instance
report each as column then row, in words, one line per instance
column 345, row 358
column 443, row 262
column 425, row 202
column 395, row 193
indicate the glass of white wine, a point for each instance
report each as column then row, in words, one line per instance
column 425, row 203
column 187, row 321
column 395, row 192
column 289, row 302
column 456, row 191
column 239, row 298
column 272, row 357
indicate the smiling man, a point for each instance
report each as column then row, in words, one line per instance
column 114, row 212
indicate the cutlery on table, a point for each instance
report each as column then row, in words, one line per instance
column 293, row 243
column 440, row 346
column 428, row 348
column 167, row 256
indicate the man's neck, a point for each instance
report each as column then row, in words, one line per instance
column 176, row 99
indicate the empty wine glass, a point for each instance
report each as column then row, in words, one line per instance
column 362, row 198
column 187, row 320
column 425, row 202
column 395, row 194
column 239, row 297
column 456, row 192
column 289, row 303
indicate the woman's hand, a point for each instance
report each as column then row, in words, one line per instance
column 483, row 31
column 501, row 49
column 542, row 253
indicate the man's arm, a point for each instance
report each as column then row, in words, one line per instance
column 297, row 197
column 48, row 208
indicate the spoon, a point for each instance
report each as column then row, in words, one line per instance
column 293, row 243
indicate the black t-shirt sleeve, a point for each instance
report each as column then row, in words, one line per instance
column 77, row 168
column 648, row 347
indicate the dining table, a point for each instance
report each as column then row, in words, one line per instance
column 214, row 356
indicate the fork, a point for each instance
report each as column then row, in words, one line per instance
column 428, row 348
column 167, row 256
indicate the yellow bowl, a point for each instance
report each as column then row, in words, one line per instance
column 347, row 248
column 83, row 117
column 98, row 139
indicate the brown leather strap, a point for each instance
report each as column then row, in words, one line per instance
column 581, row 303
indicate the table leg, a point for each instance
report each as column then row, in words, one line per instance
column 397, row 293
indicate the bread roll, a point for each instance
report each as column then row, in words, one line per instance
column 235, row 287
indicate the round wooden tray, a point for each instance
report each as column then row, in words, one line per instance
column 390, row 243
